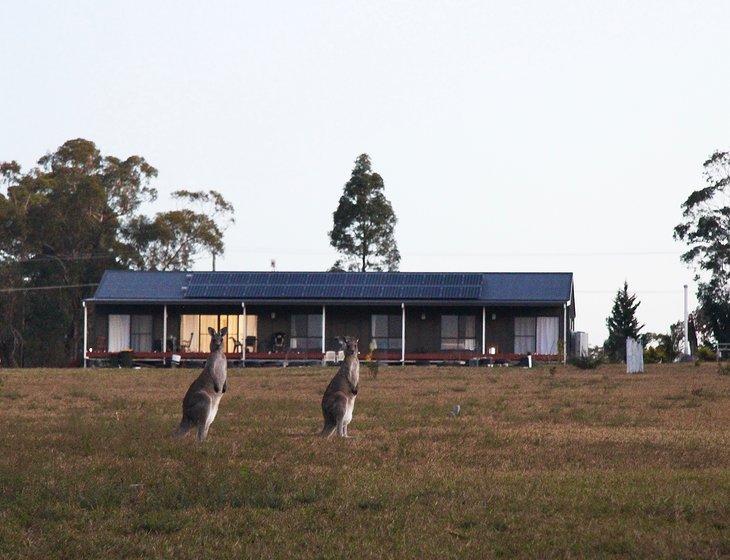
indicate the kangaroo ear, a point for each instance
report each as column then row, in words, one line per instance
column 224, row 331
column 211, row 331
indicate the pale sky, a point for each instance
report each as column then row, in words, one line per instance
column 512, row 136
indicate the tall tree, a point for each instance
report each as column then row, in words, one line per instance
column 670, row 346
column 364, row 223
column 65, row 221
column 171, row 240
column 622, row 323
column 706, row 230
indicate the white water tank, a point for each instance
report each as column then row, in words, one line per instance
column 580, row 343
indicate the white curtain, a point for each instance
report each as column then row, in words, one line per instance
column 118, row 333
column 547, row 335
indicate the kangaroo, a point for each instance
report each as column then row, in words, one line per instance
column 338, row 401
column 200, row 404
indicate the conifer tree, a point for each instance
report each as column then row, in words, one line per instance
column 622, row 323
column 364, row 223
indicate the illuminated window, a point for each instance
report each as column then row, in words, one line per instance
column 194, row 328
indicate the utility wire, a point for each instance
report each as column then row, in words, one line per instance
column 470, row 255
column 60, row 287
column 632, row 290
column 62, row 258
column 282, row 251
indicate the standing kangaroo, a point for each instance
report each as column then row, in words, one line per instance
column 200, row 404
column 338, row 401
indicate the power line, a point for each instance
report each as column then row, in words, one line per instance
column 62, row 258
column 635, row 291
column 282, row 251
column 60, row 287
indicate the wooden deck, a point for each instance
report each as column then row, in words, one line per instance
column 302, row 357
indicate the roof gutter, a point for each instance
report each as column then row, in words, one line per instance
column 364, row 303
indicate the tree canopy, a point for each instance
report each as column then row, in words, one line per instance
column 364, row 223
column 622, row 323
column 65, row 221
column 706, row 230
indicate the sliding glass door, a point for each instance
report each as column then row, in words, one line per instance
column 194, row 335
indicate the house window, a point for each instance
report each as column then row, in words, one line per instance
column 539, row 335
column 386, row 331
column 118, row 332
column 524, row 335
column 547, row 335
column 194, row 335
column 458, row 332
column 140, row 333
column 306, row 332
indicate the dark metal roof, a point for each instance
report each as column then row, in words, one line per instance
column 466, row 287
column 137, row 285
column 526, row 286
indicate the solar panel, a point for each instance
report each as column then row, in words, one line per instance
column 376, row 286
column 352, row 285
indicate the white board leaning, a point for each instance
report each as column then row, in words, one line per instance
column 634, row 356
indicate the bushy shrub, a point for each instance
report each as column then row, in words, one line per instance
column 654, row 355
column 587, row 362
column 706, row 354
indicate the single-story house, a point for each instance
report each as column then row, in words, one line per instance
column 289, row 316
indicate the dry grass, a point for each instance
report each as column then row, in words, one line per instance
column 574, row 464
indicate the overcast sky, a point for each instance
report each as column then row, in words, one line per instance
column 512, row 136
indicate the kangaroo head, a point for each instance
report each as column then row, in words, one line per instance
column 217, row 338
column 349, row 345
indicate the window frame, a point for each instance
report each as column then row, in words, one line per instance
column 201, row 338
column 463, row 341
column 311, row 341
column 532, row 337
column 393, row 322
column 137, row 337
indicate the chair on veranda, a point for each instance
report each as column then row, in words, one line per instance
column 185, row 344
column 329, row 356
column 237, row 344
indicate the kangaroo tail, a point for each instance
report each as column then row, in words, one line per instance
column 183, row 428
column 328, row 430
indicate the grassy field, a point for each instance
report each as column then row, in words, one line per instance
column 560, row 463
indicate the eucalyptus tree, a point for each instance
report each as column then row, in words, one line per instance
column 66, row 220
column 705, row 228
